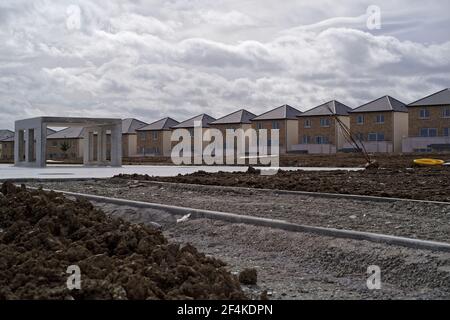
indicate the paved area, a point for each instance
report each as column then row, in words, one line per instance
column 304, row 266
column 418, row 220
column 8, row 171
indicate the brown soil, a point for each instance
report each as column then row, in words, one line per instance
column 412, row 183
column 248, row 276
column 42, row 233
column 399, row 161
column 316, row 160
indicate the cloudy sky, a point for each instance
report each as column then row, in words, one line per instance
column 149, row 59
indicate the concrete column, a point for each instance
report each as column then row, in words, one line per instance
column 116, row 145
column 101, row 146
column 86, row 147
column 91, row 147
column 19, row 146
column 41, row 145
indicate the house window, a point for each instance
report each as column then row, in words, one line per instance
column 446, row 113
column 275, row 125
column 324, row 122
column 380, row 118
column 155, row 135
column 446, row 132
column 54, row 143
column 191, row 131
column 259, row 126
column 142, row 136
column 306, row 139
column 424, row 114
column 375, row 136
column 360, row 119
column 308, row 123
column 321, row 140
column 359, row 136
column 428, row 132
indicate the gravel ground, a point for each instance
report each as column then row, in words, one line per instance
column 410, row 219
column 303, row 266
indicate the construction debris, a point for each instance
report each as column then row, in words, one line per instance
column 45, row 235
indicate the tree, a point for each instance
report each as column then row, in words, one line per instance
column 64, row 147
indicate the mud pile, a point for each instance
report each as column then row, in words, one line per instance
column 43, row 233
column 413, row 183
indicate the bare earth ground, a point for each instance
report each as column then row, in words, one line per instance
column 410, row 183
column 297, row 265
column 410, row 219
column 303, row 266
column 328, row 160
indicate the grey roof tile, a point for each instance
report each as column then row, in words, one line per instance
column 329, row 108
column 130, row 125
column 240, row 116
column 280, row 113
column 439, row 98
column 68, row 133
column 4, row 133
column 162, row 124
column 385, row 103
column 189, row 123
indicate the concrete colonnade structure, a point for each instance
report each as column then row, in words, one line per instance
column 30, row 142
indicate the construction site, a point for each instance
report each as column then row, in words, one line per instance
column 224, row 158
column 298, row 234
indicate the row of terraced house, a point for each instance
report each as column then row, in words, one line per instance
column 384, row 125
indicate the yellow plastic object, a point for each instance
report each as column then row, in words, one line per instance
column 429, row 162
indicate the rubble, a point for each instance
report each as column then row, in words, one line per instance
column 43, row 233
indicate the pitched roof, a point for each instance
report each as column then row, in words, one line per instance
column 189, row 123
column 240, row 116
column 328, row 109
column 50, row 131
column 4, row 133
column 68, row 133
column 163, row 124
column 9, row 139
column 130, row 125
column 283, row 112
column 439, row 98
column 385, row 103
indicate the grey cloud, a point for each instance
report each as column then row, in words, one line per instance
column 150, row 59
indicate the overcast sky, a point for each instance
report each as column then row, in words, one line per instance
column 149, row 59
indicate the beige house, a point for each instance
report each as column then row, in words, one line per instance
column 189, row 125
column 129, row 137
column 318, row 130
column 429, row 124
column 154, row 139
column 240, row 119
column 283, row 118
column 380, row 125
column 6, row 145
column 66, row 144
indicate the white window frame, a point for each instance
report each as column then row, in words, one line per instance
column 325, row 122
column 358, row 118
column 427, row 114
column 379, row 117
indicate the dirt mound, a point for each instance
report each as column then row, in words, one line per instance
column 413, row 183
column 43, row 233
